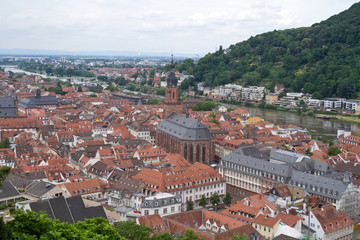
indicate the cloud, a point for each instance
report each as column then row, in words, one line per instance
column 154, row 26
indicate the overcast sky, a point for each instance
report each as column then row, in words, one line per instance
column 182, row 26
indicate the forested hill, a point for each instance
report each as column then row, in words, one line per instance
column 323, row 59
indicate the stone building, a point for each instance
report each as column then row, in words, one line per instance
column 251, row 170
column 186, row 136
column 37, row 101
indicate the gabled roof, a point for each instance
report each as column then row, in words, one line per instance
column 331, row 219
column 39, row 188
column 8, row 190
column 69, row 210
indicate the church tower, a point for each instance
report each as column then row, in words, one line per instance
column 172, row 91
column 172, row 99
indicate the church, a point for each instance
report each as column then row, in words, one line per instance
column 178, row 133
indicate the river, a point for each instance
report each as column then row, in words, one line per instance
column 319, row 127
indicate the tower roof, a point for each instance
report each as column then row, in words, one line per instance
column 171, row 80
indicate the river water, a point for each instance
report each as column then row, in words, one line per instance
column 319, row 127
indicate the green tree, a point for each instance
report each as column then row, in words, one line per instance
column 80, row 89
column 227, row 199
column 212, row 114
column 162, row 236
column 5, row 143
column 240, row 237
column 153, row 101
column 5, row 230
column 333, row 150
column 214, row 120
column 4, row 171
column 29, row 224
column 131, row 231
column 203, row 201
column 103, row 78
column 189, row 235
column 308, row 152
column 121, row 81
column 33, row 225
column 215, row 199
column 204, row 106
column 189, row 205
column 93, row 95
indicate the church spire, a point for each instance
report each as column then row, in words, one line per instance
column 172, row 62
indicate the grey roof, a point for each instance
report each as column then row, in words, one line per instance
column 39, row 188
column 33, row 102
column 185, row 128
column 8, row 190
column 286, row 156
column 320, row 185
column 7, row 107
column 311, row 165
column 25, row 179
column 124, row 209
column 312, row 175
column 155, row 202
column 69, row 210
column 252, row 157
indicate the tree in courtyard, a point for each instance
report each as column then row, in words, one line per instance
column 5, row 143
column 308, row 152
column 203, row 201
column 4, row 171
column 240, row 237
column 189, row 205
column 80, row 89
column 333, row 150
column 212, row 114
column 227, row 199
column 215, row 199
column 131, row 231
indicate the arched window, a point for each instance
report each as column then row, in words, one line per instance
column 197, row 153
column 191, row 153
column 185, row 151
column 203, row 153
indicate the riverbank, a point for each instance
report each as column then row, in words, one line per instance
column 355, row 119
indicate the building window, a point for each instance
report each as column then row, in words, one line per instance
column 146, row 212
column 165, row 210
column 191, row 153
column 172, row 209
column 156, row 211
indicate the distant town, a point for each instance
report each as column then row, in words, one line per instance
column 132, row 139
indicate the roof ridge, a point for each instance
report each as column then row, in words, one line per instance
column 51, row 208
column 69, row 210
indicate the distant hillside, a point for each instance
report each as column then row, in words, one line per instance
column 323, row 59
